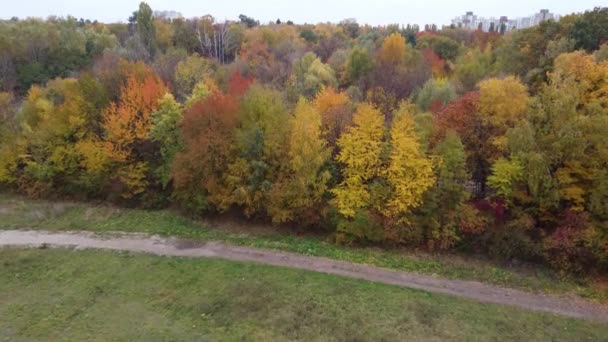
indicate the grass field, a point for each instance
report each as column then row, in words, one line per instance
column 18, row 213
column 94, row 295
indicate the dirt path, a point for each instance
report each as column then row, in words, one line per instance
column 572, row 307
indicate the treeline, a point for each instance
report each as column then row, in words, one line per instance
column 441, row 139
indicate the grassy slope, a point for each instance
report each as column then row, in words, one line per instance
column 100, row 295
column 17, row 212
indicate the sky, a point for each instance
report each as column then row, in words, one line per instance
column 374, row 12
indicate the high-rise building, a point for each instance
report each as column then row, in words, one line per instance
column 473, row 22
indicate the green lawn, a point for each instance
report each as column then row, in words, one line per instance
column 18, row 213
column 99, row 295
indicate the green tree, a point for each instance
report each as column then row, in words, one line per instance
column 435, row 93
column 189, row 73
column 505, row 173
column 591, row 29
column 473, row 66
column 261, row 147
column 444, row 204
column 359, row 64
column 165, row 131
column 310, row 75
column 146, row 28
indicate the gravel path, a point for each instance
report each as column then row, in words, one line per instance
column 572, row 307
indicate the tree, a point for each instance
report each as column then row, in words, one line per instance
column 473, row 66
column 504, row 174
column 409, row 173
column 445, row 47
column 303, row 181
column 9, row 152
column 589, row 77
column 435, row 94
column 126, row 126
column 503, row 28
column 52, row 120
column 394, row 50
column 146, row 28
column 190, row 72
column 248, row 21
column 336, row 114
column 261, row 146
column 198, row 170
column 462, row 116
column 444, row 207
column 359, row 64
column 360, row 149
column 310, row 75
column 502, row 103
column 165, row 131
column 601, row 55
column 591, row 29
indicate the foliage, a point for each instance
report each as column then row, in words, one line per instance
column 207, row 130
column 336, row 115
column 591, row 29
column 189, row 73
column 472, row 67
column 504, row 148
column 310, row 75
column 126, row 127
column 360, row 149
column 503, row 102
column 445, row 214
column 146, row 28
column 409, row 173
column 435, row 94
column 504, row 174
column 260, row 145
column 359, row 63
column 394, row 50
column 165, row 131
column 304, row 179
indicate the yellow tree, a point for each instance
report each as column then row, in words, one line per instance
column 394, row 50
column 9, row 153
column 409, row 172
column 304, row 182
column 502, row 103
column 590, row 77
column 360, row 149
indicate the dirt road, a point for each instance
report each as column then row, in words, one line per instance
column 572, row 307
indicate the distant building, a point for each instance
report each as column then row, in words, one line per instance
column 473, row 22
column 169, row 15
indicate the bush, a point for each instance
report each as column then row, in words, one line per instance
column 362, row 227
column 513, row 241
column 568, row 248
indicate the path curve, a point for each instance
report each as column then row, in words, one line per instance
column 572, row 307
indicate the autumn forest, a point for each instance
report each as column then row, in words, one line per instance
column 442, row 139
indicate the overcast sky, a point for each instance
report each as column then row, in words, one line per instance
column 375, row 12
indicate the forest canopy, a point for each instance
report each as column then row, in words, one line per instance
column 435, row 138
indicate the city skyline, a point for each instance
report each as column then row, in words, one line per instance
column 472, row 21
column 384, row 12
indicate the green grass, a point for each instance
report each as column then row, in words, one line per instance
column 58, row 294
column 20, row 213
